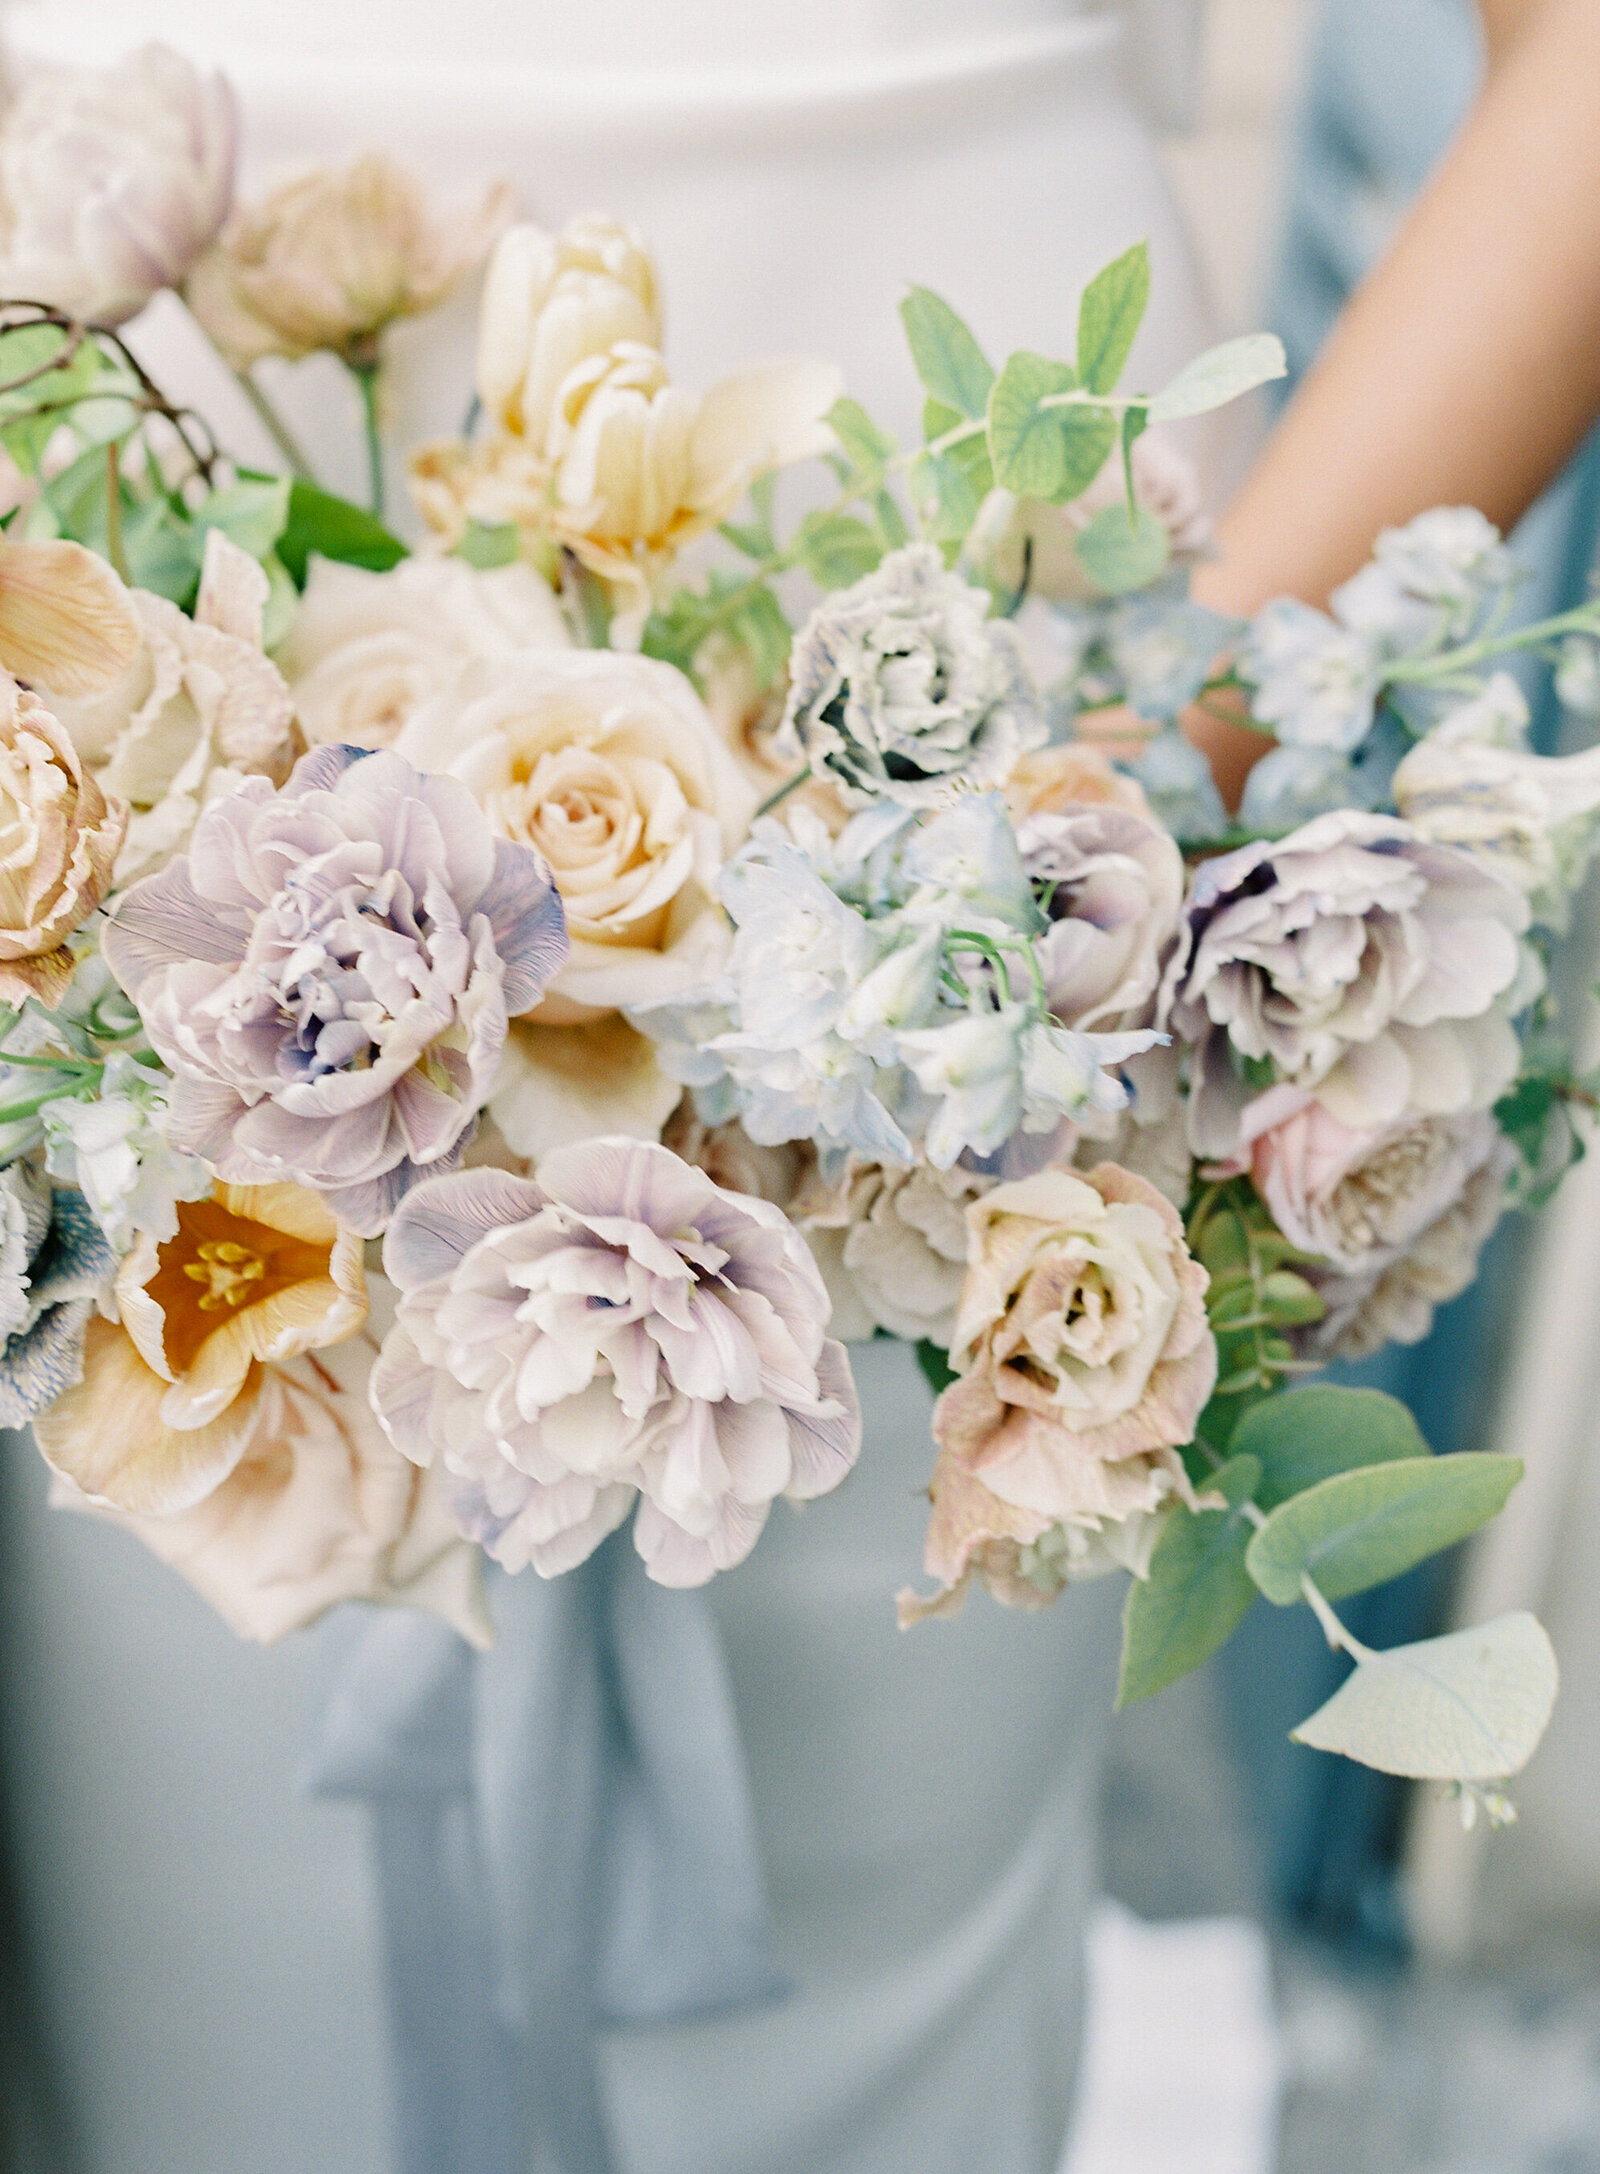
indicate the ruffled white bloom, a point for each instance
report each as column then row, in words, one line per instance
column 112, row 181
column 901, row 686
column 1430, row 583
column 1533, row 819
column 1315, row 682
column 1360, row 960
column 198, row 708
column 115, row 1150
column 550, row 301
column 891, row 1245
column 367, row 650
column 618, row 1331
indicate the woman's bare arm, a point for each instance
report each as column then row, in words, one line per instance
column 1467, row 367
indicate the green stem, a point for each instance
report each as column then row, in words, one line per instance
column 114, row 550
column 275, row 426
column 1584, row 619
column 366, row 376
column 773, row 800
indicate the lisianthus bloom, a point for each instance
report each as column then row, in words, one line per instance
column 54, row 1262
column 902, row 687
column 366, row 650
column 328, row 260
column 329, row 971
column 608, row 766
column 318, row 1509
column 196, row 708
column 112, row 1145
column 618, row 1330
column 253, row 1277
column 1115, row 884
column 112, row 180
column 1398, row 1212
column 550, row 301
column 59, row 836
column 1361, row 960
column 891, row 1244
column 1085, row 1359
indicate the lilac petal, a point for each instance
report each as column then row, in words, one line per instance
column 443, row 1218
column 673, row 1557
column 321, row 770
column 162, row 921
column 825, row 1446
column 525, row 914
column 400, row 1391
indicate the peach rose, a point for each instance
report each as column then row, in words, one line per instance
column 59, row 836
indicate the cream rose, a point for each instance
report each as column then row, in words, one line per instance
column 1085, row 1358
column 198, row 708
column 366, row 650
column 609, row 766
column 59, row 837
column 891, row 1245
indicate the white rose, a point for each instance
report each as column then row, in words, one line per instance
column 112, row 181
column 366, row 650
column 609, row 766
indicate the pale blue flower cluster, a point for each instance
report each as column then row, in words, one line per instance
column 882, row 990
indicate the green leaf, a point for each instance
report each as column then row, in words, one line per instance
column 863, row 444
column 320, row 522
column 949, row 361
column 1038, row 452
column 1197, row 1593
column 1364, row 1527
column 1219, row 375
column 890, row 519
column 1304, row 1436
column 836, row 548
column 1468, row 1707
column 484, row 545
column 1109, row 315
column 935, row 1364
column 1119, row 551
column 251, row 512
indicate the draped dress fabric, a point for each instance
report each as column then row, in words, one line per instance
column 211, row 1942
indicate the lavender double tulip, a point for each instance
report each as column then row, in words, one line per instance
column 329, row 972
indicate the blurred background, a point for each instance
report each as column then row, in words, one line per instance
column 1337, row 1979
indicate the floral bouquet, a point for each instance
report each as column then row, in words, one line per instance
column 488, row 1025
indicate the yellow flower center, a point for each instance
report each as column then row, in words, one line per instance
column 228, row 1270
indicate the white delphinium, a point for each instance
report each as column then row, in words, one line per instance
column 114, row 1148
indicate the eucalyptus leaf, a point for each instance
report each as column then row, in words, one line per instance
column 1109, row 315
column 1039, row 452
column 1468, row 1707
column 1364, row 1527
column 1219, row 375
column 836, row 548
column 1304, row 1436
column 863, row 444
column 1123, row 549
column 949, row 361
column 1197, row 1591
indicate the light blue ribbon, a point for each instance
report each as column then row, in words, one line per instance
column 563, row 1838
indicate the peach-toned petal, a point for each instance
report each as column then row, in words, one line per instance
column 108, row 1437
column 66, row 621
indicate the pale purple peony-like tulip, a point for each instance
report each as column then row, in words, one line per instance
column 618, row 1329
column 329, row 972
